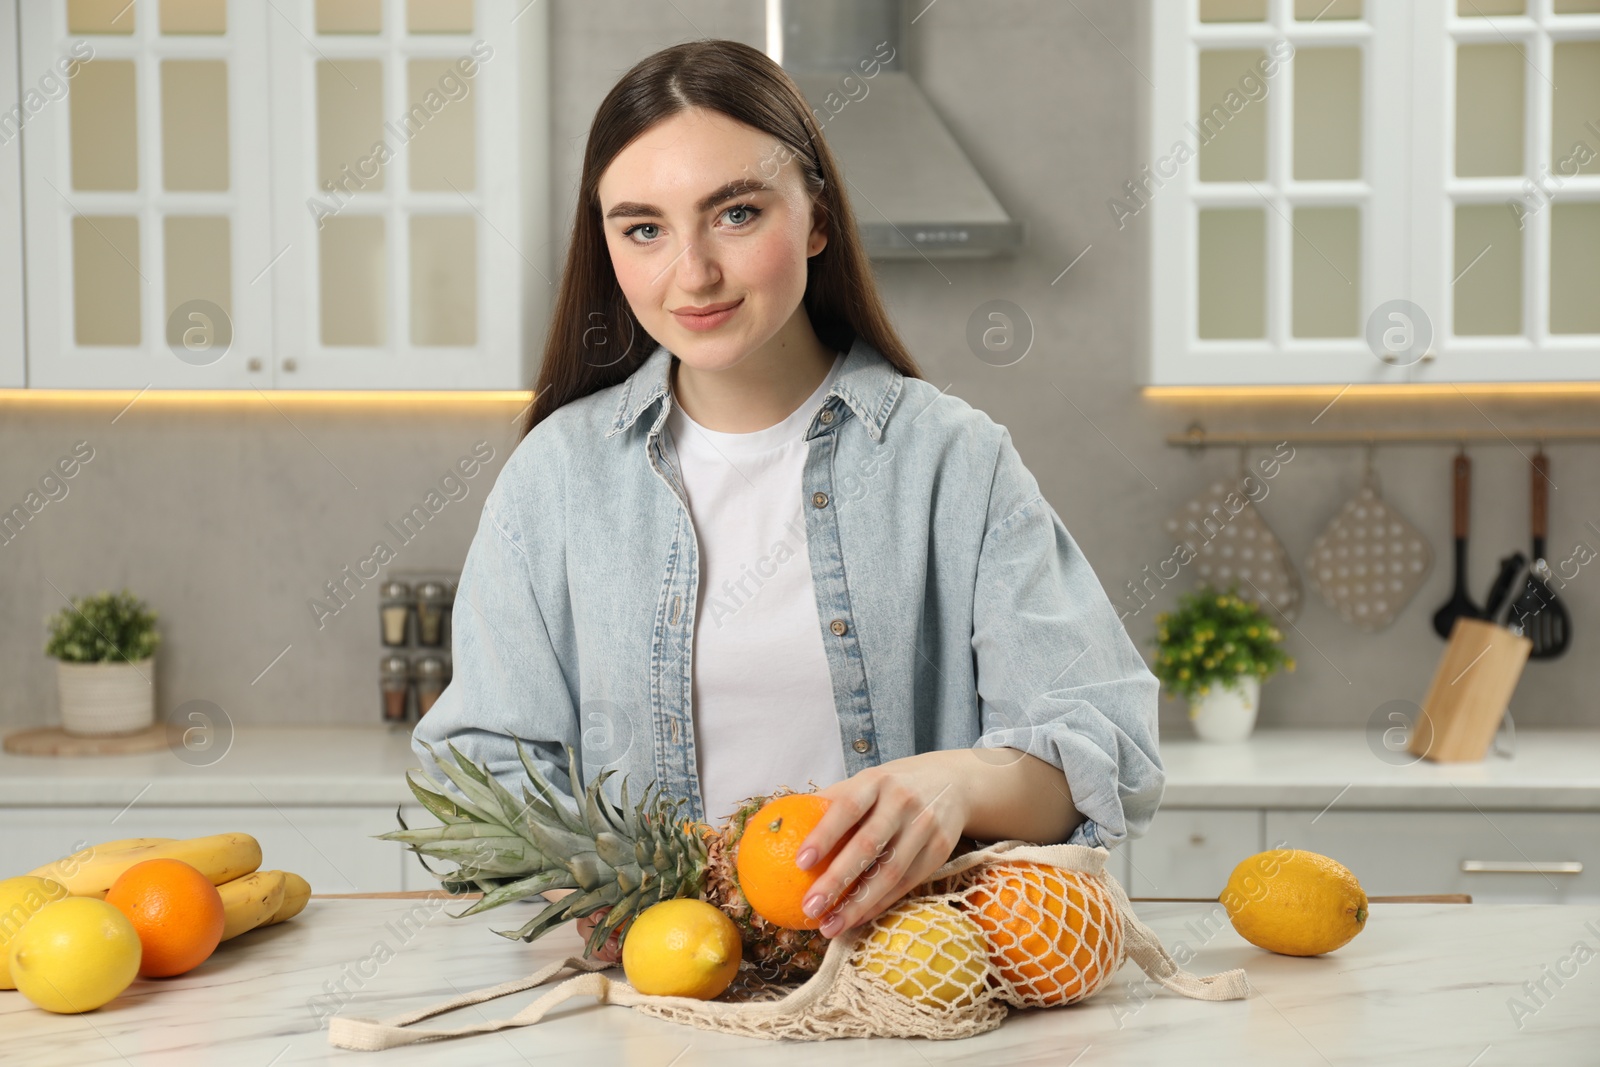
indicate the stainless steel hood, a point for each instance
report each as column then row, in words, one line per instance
column 914, row 191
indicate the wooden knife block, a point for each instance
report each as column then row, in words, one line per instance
column 1470, row 692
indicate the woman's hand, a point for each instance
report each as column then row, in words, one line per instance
column 900, row 822
column 611, row 951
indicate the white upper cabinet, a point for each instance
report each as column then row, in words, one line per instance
column 306, row 194
column 1356, row 192
column 13, row 365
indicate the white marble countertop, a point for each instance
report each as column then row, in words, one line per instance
column 297, row 765
column 1551, row 769
column 1548, row 769
column 1423, row 984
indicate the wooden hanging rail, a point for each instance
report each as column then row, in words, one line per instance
column 1197, row 437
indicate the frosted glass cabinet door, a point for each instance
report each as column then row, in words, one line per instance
column 399, row 193
column 13, row 367
column 1317, row 170
column 146, row 195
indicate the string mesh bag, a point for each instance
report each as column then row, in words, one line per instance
column 1007, row 925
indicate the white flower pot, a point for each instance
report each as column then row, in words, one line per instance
column 106, row 698
column 1228, row 711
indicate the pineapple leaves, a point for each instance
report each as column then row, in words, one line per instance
column 526, row 887
column 540, row 924
column 572, row 906
column 439, row 805
column 619, row 914
column 547, row 791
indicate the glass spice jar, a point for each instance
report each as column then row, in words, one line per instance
column 431, row 600
column 432, row 675
column 394, row 612
column 394, row 679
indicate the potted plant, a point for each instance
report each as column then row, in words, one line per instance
column 1215, row 649
column 104, row 648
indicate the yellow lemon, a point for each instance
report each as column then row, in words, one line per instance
column 75, row 955
column 1294, row 902
column 681, row 948
column 928, row 952
column 20, row 899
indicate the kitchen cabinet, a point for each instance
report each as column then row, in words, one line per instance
column 330, row 847
column 1190, row 853
column 1513, row 857
column 280, row 196
column 13, row 371
column 1499, row 857
column 1386, row 195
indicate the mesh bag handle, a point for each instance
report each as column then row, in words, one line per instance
column 837, row 1001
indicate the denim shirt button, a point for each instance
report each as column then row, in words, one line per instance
column 861, row 744
column 838, row 627
column 819, row 500
column 827, row 418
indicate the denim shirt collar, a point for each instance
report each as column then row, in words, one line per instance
column 867, row 383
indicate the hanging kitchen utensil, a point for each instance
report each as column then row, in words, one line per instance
column 1369, row 561
column 1460, row 605
column 1543, row 617
column 1231, row 543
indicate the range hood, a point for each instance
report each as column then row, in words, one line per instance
column 914, row 191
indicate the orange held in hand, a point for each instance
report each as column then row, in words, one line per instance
column 769, row 877
column 176, row 910
column 1054, row 935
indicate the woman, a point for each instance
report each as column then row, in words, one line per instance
column 732, row 464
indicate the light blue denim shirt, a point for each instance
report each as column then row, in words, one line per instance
column 955, row 608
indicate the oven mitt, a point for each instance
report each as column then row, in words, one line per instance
column 1232, row 546
column 1370, row 561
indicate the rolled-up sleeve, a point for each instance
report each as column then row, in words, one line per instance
column 507, row 682
column 1058, row 676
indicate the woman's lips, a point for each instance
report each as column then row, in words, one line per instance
column 710, row 321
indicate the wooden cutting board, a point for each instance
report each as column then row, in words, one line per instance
column 54, row 741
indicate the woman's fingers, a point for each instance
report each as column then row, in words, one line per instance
column 872, row 862
column 848, row 801
column 885, row 884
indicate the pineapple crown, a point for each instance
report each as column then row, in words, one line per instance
column 623, row 857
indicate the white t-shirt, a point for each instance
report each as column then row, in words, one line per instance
column 761, row 693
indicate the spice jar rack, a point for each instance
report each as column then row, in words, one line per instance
column 414, row 617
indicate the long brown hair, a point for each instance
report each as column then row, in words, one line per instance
column 595, row 340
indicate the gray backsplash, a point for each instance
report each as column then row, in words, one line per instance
column 230, row 520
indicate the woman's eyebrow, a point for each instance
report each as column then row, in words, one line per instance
column 737, row 187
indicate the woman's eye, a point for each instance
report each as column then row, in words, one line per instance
column 748, row 213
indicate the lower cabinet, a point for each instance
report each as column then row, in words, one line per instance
column 332, row 848
column 1189, row 852
column 1499, row 857
column 1534, row 857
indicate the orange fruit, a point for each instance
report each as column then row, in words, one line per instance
column 764, row 861
column 1054, row 935
column 176, row 911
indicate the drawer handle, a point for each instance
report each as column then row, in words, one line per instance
column 1520, row 867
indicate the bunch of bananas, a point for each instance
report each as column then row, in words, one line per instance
column 251, row 897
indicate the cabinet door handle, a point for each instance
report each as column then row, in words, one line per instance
column 1521, row 867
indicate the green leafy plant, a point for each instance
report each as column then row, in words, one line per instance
column 107, row 628
column 1214, row 638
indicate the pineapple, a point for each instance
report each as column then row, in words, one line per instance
column 624, row 859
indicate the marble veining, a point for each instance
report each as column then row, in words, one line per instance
column 1424, row 984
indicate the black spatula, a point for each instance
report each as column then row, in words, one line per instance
column 1460, row 604
column 1543, row 617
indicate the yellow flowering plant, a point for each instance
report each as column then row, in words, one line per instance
column 1213, row 638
